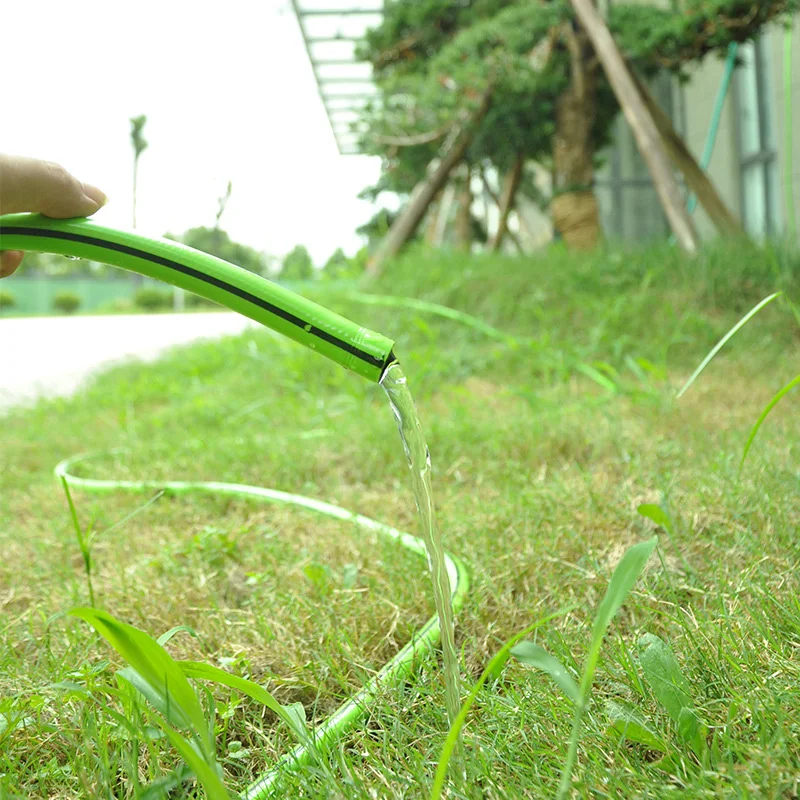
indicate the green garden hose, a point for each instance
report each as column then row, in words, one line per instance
column 396, row 669
column 716, row 116
column 356, row 348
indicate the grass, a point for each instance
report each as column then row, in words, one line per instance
column 542, row 455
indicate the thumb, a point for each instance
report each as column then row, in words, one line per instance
column 31, row 185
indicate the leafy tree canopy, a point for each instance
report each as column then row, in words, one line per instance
column 433, row 59
column 217, row 242
column 298, row 266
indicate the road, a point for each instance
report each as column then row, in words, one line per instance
column 46, row 356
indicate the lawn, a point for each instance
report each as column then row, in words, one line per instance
column 542, row 454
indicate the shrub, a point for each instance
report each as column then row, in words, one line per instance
column 117, row 306
column 6, row 300
column 66, row 302
column 151, row 299
column 196, row 301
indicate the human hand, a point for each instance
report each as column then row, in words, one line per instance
column 27, row 184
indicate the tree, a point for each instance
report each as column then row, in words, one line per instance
column 550, row 99
column 218, row 243
column 139, row 146
column 223, row 203
column 338, row 266
column 298, row 266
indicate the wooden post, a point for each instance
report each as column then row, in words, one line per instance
column 510, row 186
column 463, row 221
column 644, row 129
column 697, row 180
column 511, row 235
column 450, row 155
column 448, row 198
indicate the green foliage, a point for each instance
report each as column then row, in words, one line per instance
column 164, row 683
column 493, row 672
column 297, row 266
column 340, row 267
column 774, row 400
column 217, row 242
column 66, row 302
column 378, row 225
column 137, row 135
column 6, row 300
column 198, row 301
column 151, row 299
column 672, row 690
column 433, row 59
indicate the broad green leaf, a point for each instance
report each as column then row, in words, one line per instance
column 627, row 723
column 658, row 515
column 772, row 403
column 671, row 688
column 154, row 669
column 207, row 773
column 663, row 674
column 720, row 344
column 535, row 656
column 293, row 717
column 693, row 732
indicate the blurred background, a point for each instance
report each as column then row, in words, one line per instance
column 287, row 135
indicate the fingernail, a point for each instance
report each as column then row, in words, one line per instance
column 95, row 195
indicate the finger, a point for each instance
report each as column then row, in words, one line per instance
column 32, row 185
column 9, row 261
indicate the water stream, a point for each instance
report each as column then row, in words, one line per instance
column 395, row 385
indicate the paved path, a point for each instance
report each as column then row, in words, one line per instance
column 42, row 356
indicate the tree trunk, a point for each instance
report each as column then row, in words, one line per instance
column 448, row 194
column 463, row 226
column 575, row 212
column 507, row 199
column 451, row 154
column 432, row 219
column 641, row 122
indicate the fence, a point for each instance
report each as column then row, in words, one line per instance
column 34, row 295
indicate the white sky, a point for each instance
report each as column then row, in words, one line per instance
column 229, row 95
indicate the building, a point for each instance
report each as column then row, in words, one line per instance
column 749, row 161
column 754, row 146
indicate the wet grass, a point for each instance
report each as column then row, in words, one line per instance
column 542, row 455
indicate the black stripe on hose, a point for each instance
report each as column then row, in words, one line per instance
column 201, row 276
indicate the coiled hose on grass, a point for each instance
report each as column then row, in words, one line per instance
column 364, row 352
column 399, row 667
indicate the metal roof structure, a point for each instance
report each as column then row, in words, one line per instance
column 331, row 30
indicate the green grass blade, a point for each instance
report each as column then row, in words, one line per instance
column 167, row 635
column 721, row 343
column 205, row 771
column 663, row 674
column 535, row 656
column 83, row 541
column 772, row 403
column 625, row 576
column 493, row 670
column 434, row 308
column 287, row 714
column 154, row 666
